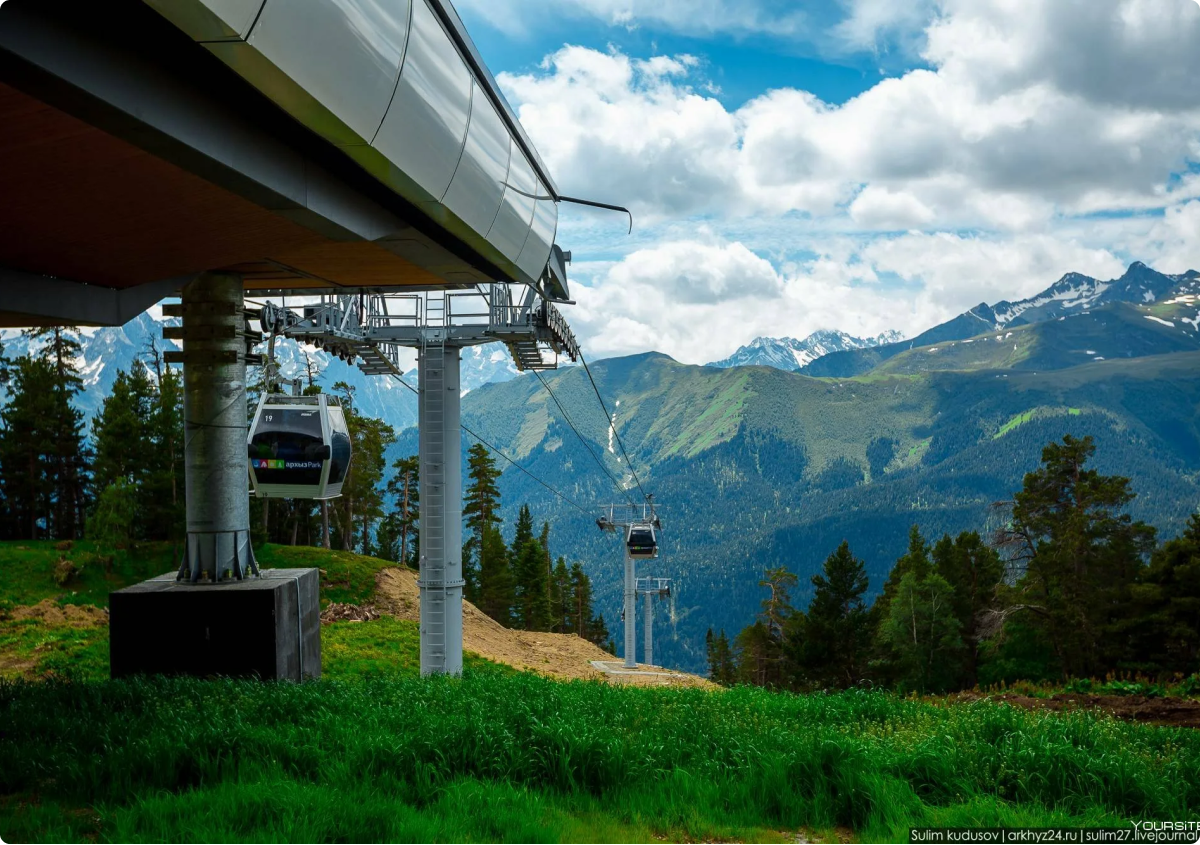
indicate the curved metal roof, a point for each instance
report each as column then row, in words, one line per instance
column 399, row 87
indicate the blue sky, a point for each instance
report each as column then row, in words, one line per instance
column 862, row 165
column 742, row 67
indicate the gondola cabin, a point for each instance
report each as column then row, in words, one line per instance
column 299, row 447
column 641, row 542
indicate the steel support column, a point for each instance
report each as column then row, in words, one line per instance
column 215, row 425
column 441, row 581
column 649, row 633
column 630, row 613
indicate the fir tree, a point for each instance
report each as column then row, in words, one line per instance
column 496, row 587
column 1082, row 556
column 43, row 462
column 922, row 631
column 837, row 629
column 561, row 598
column 974, row 572
column 481, row 512
column 721, row 666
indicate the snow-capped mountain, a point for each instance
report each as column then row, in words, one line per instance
column 1075, row 293
column 787, row 353
column 1172, row 300
column 106, row 351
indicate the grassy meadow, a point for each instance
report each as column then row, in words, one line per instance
column 373, row 753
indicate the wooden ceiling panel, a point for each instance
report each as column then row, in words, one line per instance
column 80, row 204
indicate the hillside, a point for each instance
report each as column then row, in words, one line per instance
column 755, row 467
column 370, row 616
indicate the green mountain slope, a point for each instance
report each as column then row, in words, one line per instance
column 1114, row 331
column 755, row 467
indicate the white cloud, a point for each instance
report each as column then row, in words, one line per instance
column 700, row 300
column 1031, row 109
column 1018, row 155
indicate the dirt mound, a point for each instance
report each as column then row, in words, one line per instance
column 555, row 655
column 50, row 612
column 338, row 612
column 1175, row 712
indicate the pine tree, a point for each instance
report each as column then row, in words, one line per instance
column 43, row 462
column 532, row 589
column 974, row 572
column 1165, row 624
column 561, row 598
column 361, row 504
column 481, row 512
column 914, row 561
column 922, row 631
column 722, row 668
column 1082, row 555
column 69, row 457
column 837, row 627
column 522, row 533
column 399, row 525
column 481, row 502
column 496, row 591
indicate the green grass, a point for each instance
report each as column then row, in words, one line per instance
column 28, row 570
column 345, row 576
column 1019, row 419
column 33, row 648
column 381, row 647
column 520, row 758
column 28, row 646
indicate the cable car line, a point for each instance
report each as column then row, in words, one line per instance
column 489, row 446
column 586, row 445
column 613, row 426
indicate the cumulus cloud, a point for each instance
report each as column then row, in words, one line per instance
column 1042, row 137
column 1029, row 110
column 700, row 300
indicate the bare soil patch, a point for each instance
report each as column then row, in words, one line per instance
column 50, row 612
column 338, row 612
column 1174, row 712
column 556, row 655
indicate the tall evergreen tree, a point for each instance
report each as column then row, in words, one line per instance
column 916, row 562
column 497, row 596
column 361, row 504
column 1082, row 555
column 481, row 514
column 399, row 527
column 837, row 627
column 522, row 533
column 922, row 631
column 974, row 572
column 722, row 668
column 69, row 457
column 1165, row 623
column 561, row 598
column 43, row 460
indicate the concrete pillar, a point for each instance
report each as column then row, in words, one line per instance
column 441, row 581
column 215, row 428
column 630, row 612
column 649, row 634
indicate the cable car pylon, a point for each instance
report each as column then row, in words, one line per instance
column 371, row 329
column 639, row 526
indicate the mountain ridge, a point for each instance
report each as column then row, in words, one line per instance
column 790, row 354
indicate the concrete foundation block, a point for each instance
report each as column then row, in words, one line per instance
column 267, row 627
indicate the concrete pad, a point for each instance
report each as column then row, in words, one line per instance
column 267, row 627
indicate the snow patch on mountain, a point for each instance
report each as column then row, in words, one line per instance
column 787, row 353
